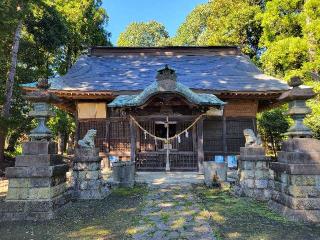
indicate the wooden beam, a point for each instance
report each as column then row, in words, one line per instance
column 200, row 145
column 133, row 134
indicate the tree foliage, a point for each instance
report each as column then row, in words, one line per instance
column 191, row 31
column 272, row 125
column 143, row 34
column 54, row 34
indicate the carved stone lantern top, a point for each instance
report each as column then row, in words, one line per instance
column 41, row 110
column 297, row 92
column 296, row 97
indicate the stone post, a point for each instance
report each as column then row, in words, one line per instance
column 87, row 176
column 297, row 173
column 296, row 191
column 37, row 183
column 253, row 174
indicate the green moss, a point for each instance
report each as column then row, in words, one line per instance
column 243, row 218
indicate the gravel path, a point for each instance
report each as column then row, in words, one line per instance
column 173, row 212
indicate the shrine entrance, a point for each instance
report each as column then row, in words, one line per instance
column 178, row 154
column 166, row 124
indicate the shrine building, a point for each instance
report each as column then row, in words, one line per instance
column 166, row 108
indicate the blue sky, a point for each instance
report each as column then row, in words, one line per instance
column 171, row 13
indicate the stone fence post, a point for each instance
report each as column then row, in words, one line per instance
column 254, row 178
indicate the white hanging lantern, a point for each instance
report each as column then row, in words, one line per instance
column 145, row 134
column 179, row 139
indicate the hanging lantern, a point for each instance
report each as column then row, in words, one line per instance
column 179, row 139
column 187, row 134
column 145, row 134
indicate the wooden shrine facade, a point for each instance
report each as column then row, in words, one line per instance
column 222, row 136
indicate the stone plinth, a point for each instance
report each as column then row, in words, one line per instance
column 37, row 184
column 297, row 180
column 214, row 173
column 253, row 174
column 123, row 173
column 88, row 181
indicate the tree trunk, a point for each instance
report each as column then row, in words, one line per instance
column 9, row 86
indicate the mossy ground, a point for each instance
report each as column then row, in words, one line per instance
column 111, row 218
column 243, row 218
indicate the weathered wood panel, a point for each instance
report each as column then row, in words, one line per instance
column 241, row 108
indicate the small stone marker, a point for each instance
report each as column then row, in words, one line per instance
column 123, row 173
column 214, row 171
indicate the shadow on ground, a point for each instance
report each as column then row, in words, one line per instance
column 242, row 218
column 111, row 218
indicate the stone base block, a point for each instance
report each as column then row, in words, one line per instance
column 87, row 155
column 36, row 172
column 257, row 194
column 36, row 210
column 38, row 160
column 30, row 193
column 92, row 194
column 123, row 174
column 294, row 214
column 296, row 203
column 39, row 147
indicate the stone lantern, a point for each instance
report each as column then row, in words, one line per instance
column 296, row 191
column 37, row 183
column 298, row 110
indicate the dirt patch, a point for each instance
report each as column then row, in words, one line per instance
column 242, row 218
column 111, row 218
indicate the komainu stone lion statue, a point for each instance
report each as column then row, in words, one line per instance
column 251, row 139
column 88, row 140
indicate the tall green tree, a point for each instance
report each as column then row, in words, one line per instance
column 191, row 31
column 53, row 34
column 143, row 34
column 291, row 43
column 26, row 23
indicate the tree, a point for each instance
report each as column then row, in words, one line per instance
column 291, row 43
column 189, row 33
column 143, row 34
column 271, row 126
column 54, row 34
column 86, row 21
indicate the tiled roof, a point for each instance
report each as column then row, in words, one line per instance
column 114, row 72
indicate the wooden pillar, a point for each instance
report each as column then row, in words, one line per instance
column 200, row 145
column 132, row 141
column 224, row 137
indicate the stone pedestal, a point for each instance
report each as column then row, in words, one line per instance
column 37, row 183
column 123, row 174
column 88, row 181
column 253, row 174
column 214, row 173
column 297, row 180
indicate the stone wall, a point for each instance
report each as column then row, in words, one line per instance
column 297, row 180
column 254, row 177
